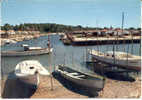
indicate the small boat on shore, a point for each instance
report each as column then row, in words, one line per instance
column 92, row 83
column 120, row 59
column 28, row 72
column 28, row 51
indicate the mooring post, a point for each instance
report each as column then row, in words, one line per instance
column 51, row 80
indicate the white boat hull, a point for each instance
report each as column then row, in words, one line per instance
column 133, row 64
column 28, row 72
column 31, row 81
column 25, row 53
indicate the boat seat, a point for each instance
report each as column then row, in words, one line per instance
column 65, row 72
column 73, row 73
column 80, row 76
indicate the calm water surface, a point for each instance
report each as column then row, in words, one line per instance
column 73, row 56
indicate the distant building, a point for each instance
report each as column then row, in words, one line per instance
column 103, row 32
column 3, row 34
column 11, row 32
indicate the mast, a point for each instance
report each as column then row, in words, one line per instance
column 123, row 27
column 122, row 21
column 97, row 35
column 113, row 52
column 72, row 60
column 132, row 43
column 127, row 54
column 50, row 65
column 64, row 59
column 140, row 46
column 117, row 42
column 49, row 46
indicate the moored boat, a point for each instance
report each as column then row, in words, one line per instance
column 92, row 83
column 119, row 59
column 28, row 51
column 28, row 72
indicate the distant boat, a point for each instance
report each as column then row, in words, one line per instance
column 28, row 72
column 92, row 83
column 120, row 59
column 28, row 51
column 8, row 41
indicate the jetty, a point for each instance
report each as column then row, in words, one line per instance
column 102, row 40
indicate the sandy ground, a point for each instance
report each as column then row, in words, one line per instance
column 58, row 91
column 112, row 89
column 121, row 89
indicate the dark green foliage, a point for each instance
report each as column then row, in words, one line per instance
column 42, row 27
column 49, row 27
column 7, row 27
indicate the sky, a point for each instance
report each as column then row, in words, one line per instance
column 92, row 13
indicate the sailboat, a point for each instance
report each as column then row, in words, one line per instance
column 118, row 58
column 122, row 59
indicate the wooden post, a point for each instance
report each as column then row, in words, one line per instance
column 50, row 64
column 51, row 80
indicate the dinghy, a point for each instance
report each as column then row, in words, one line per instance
column 92, row 83
column 120, row 59
column 28, row 72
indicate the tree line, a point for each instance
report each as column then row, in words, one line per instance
column 44, row 27
column 48, row 27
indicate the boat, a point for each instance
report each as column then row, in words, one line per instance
column 28, row 51
column 92, row 83
column 119, row 59
column 28, row 72
column 8, row 41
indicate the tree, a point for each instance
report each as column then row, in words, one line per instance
column 131, row 28
column 7, row 27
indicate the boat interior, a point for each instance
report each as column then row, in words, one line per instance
column 75, row 74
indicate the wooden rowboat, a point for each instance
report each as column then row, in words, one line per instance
column 92, row 83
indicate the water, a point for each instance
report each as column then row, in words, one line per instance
column 73, row 56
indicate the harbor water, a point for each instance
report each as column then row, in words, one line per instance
column 73, row 56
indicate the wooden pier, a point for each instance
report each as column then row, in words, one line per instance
column 103, row 40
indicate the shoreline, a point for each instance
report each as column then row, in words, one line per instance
column 20, row 37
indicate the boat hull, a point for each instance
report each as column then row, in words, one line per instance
column 92, row 85
column 31, row 81
column 128, row 64
column 25, row 53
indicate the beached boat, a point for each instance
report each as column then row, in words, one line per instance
column 28, row 51
column 92, row 83
column 28, row 72
column 120, row 59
